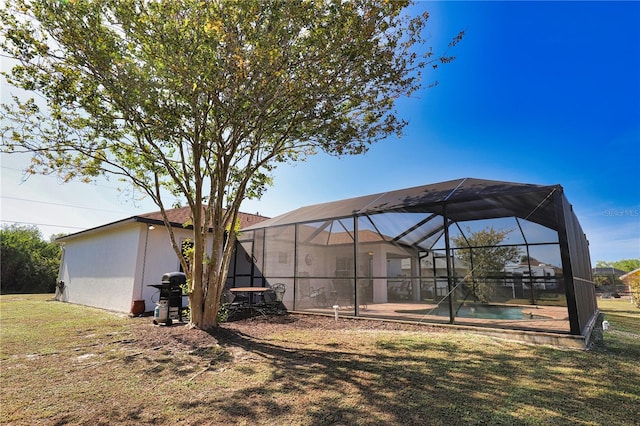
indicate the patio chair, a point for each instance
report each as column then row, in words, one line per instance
column 227, row 297
column 268, row 305
column 344, row 293
column 236, row 305
column 271, row 303
column 279, row 289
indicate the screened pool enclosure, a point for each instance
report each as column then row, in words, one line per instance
column 469, row 251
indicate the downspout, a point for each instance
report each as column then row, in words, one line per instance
column 144, row 259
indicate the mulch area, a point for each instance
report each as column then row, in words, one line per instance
column 181, row 337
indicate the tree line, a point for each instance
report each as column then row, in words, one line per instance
column 29, row 264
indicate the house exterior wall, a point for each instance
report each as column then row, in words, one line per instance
column 98, row 269
column 158, row 260
column 111, row 268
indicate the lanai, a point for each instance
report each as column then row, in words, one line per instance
column 400, row 254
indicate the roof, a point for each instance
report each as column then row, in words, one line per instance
column 608, row 271
column 180, row 216
column 635, row 272
column 177, row 218
column 463, row 199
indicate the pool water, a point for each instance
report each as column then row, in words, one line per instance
column 480, row 312
column 487, row 312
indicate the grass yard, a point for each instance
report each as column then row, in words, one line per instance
column 67, row 364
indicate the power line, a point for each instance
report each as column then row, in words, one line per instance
column 41, row 224
column 63, row 205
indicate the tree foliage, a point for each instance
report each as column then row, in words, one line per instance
column 485, row 257
column 612, row 280
column 28, row 263
column 202, row 99
column 626, row 265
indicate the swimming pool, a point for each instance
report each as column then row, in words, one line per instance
column 478, row 311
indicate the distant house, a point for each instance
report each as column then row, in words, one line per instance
column 112, row 265
column 608, row 280
column 630, row 275
column 631, row 280
column 608, row 272
column 533, row 272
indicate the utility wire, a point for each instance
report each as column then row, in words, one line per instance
column 41, row 224
column 63, row 205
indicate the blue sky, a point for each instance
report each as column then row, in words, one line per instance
column 540, row 92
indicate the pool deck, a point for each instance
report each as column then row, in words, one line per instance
column 549, row 326
column 556, row 317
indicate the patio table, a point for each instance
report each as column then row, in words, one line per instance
column 251, row 291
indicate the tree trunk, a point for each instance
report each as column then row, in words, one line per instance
column 199, row 287
column 196, row 301
column 210, row 315
column 209, row 280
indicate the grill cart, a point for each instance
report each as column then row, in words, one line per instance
column 169, row 307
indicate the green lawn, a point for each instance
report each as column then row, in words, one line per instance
column 66, row 364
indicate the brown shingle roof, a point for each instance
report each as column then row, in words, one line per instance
column 182, row 215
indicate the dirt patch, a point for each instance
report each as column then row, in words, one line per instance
column 182, row 338
column 178, row 337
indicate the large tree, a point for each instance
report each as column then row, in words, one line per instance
column 202, row 99
column 486, row 258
